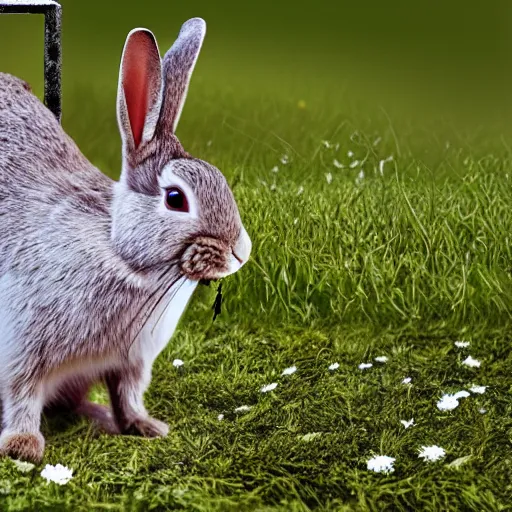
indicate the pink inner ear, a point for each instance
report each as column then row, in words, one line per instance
column 136, row 71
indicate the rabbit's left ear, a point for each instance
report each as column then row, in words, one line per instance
column 178, row 65
column 139, row 96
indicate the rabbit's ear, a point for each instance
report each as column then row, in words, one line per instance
column 139, row 95
column 178, row 65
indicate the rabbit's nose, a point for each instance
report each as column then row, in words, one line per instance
column 242, row 248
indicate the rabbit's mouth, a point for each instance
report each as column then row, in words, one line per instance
column 206, row 259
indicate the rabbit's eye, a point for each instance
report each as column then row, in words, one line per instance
column 175, row 200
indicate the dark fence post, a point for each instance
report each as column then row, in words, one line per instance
column 52, row 45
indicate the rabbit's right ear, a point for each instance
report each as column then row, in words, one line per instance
column 139, row 94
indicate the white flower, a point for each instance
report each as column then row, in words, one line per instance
column 177, row 363
column 269, row 387
column 482, row 411
column 407, row 380
column 300, row 191
column 478, row 389
column 220, row 417
column 350, row 154
column 289, row 371
column 273, row 186
column 328, row 177
column 285, row 159
column 334, row 366
column 274, row 169
column 354, row 164
column 431, row 453
column 462, row 344
column 326, row 144
column 382, row 162
column 24, row 467
column 243, row 408
column 337, row 164
column 381, row 359
column 472, row 363
column 407, row 424
column 447, row 403
column 360, row 176
column 59, row 474
column 381, row 464
column 365, row 366
column 295, row 221
column 377, row 141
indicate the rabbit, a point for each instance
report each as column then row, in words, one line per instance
column 95, row 274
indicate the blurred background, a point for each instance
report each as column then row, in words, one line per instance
column 447, row 58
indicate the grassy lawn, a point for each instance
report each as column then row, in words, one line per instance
column 377, row 237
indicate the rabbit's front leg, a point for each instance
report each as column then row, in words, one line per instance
column 20, row 437
column 126, row 388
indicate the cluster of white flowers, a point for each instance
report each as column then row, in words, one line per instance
column 59, row 474
column 431, row 453
column 381, row 464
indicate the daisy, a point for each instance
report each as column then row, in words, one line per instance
column 177, row 363
column 365, row 366
column 334, row 366
column 431, row 453
column 289, row 371
column 269, row 387
column 381, row 359
column 59, row 474
column 472, row 363
column 381, row 464
column 447, row 403
column 407, row 424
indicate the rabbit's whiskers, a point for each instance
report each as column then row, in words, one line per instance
column 146, row 313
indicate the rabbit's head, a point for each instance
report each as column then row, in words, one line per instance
column 169, row 208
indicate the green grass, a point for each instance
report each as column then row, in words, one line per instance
column 400, row 264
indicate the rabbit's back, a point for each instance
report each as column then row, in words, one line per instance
column 48, row 188
column 32, row 142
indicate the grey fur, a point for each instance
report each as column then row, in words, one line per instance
column 88, row 266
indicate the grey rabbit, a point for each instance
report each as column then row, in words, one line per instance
column 95, row 274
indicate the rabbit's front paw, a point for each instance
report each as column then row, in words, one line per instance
column 28, row 446
column 148, row 427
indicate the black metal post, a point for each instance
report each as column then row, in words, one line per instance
column 52, row 45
